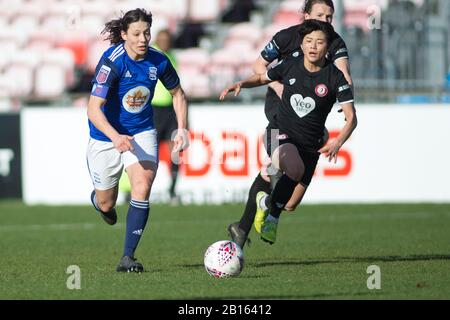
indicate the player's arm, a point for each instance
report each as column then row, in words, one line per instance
column 344, row 65
column 332, row 148
column 269, row 54
column 181, row 141
column 256, row 80
column 98, row 119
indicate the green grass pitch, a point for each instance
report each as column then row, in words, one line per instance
column 322, row 252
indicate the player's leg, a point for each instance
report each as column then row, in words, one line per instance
column 105, row 168
column 286, row 158
column 104, row 201
column 141, row 166
column 239, row 230
column 300, row 189
column 296, row 198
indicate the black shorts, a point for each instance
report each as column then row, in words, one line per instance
column 309, row 158
column 165, row 121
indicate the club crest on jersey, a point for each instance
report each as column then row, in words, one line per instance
column 136, row 99
column 103, row 74
column 321, row 90
column 152, row 73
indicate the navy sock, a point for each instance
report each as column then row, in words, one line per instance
column 136, row 220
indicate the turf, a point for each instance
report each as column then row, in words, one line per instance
column 322, row 252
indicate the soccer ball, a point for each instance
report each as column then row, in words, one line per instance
column 224, row 259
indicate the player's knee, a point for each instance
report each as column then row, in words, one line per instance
column 141, row 189
column 296, row 172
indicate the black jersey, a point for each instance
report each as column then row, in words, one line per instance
column 283, row 44
column 307, row 99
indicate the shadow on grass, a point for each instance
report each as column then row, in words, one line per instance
column 431, row 257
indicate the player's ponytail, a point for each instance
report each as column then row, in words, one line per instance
column 310, row 3
column 115, row 27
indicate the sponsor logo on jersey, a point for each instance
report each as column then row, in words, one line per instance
column 342, row 50
column 282, row 136
column 321, row 90
column 296, row 54
column 152, row 73
column 292, row 81
column 103, row 74
column 127, row 74
column 344, row 87
column 302, row 106
column 136, row 99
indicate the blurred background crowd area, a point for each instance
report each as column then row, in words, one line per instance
column 399, row 50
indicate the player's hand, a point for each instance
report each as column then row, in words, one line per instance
column 123, row 143
column 180, row 141
column 331, row 150
column 235, row 87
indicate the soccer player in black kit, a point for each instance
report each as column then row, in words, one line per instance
column 311, row 86
column 283, row 44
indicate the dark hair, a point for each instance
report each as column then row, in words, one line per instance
column 116, row 26
column 310, row 3
column 312, row 25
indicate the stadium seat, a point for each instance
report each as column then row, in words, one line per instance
column 245, row 31
column 193, row 58
column 49, row 80
column 195, row 84
column 95, row 51
column 205, row 11
column 21, row 77
column 78, row 43
column 63, row 58
column 289, row 12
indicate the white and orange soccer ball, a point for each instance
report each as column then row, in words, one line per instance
column 224, row 259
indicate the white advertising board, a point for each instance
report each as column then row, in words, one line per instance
column 398, row 153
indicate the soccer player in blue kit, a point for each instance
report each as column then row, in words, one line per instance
column 122, row 132
column 311, row 86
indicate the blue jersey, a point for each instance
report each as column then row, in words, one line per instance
column 128, row 87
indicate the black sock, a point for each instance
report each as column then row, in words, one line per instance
column 259, row 184
column 280, row 195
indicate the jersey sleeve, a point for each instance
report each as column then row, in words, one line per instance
column 338, row 49
column 106, row 76
column 276, row 72
column 276, row 47
column 344, row 93
column 169, row 77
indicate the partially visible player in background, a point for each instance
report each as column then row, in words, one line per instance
column 122, row 130
column 282, row 44
column 311, row 86
column 163, row 113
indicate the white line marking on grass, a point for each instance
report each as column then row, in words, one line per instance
column 54, row 227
